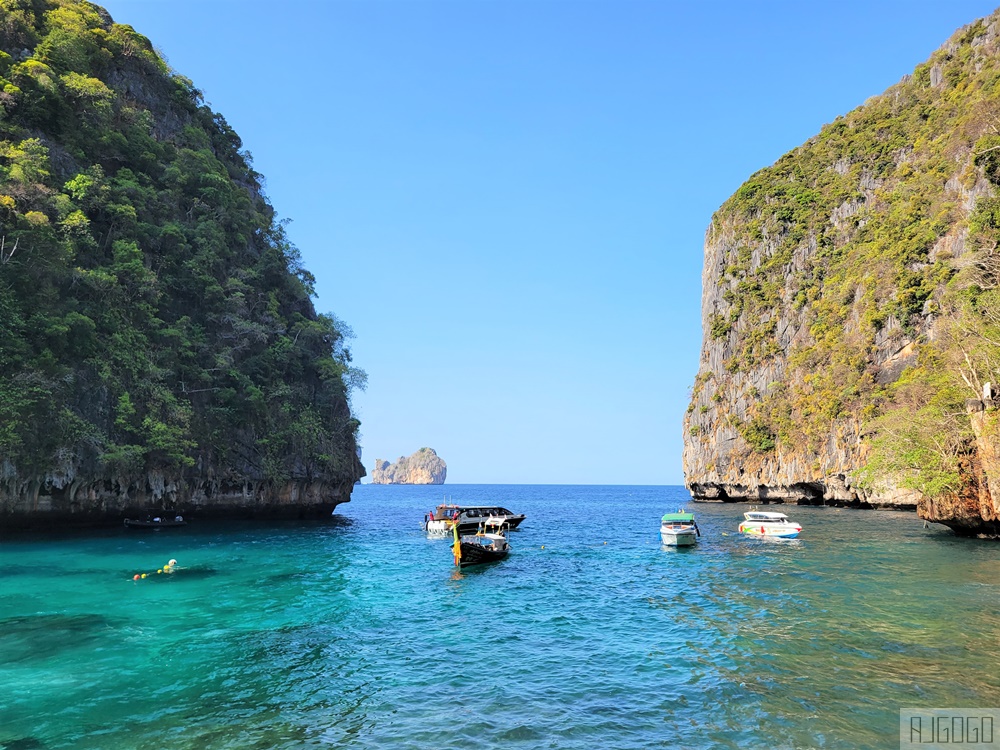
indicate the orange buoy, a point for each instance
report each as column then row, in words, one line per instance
column 135, row 577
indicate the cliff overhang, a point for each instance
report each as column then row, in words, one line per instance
column 57, row 501
column 836, row 491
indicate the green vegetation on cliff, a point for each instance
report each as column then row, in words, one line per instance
column 153, row 315
column 860, row 274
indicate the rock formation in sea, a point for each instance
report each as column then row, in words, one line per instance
column 423, row 467
column 849, row 308
column 159, row 348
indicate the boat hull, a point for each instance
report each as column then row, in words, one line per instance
column 763, row 530
column 679, row 537
column 438, row 528
column 131, row 523
column 475, row 554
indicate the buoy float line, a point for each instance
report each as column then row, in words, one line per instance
column 168, row 568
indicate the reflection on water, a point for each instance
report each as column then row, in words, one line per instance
column 361, row 632
column 44, row 636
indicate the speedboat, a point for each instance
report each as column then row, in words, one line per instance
column 154, row 522
column 679, row 529
column 468, row 518
column 487, row 545
column 765, row 523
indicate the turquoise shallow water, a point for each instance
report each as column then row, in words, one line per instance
column 360, row 632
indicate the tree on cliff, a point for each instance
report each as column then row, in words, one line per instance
column 153, row 314
column 919, row 439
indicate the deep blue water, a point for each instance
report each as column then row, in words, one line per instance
column 360, row 633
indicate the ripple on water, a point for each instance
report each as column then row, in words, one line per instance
column 361, row 633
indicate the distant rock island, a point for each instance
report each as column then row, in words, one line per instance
column 423, row 467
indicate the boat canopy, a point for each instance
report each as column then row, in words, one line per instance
column 476, row 511
column 761, row 515
column 678, row 517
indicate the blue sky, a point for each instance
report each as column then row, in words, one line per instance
column 507, row 200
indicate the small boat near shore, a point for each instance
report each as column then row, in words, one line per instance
column 679, row 529
column 768, row 524
column 155, row 522
column 488, row 545
column 468, row 518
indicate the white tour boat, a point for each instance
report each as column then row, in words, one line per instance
column 765, row 523
column 468, row 518
column 679, row 529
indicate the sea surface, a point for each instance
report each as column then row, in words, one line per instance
column 359, row 632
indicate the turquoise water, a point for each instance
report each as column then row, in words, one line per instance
column 360, row 633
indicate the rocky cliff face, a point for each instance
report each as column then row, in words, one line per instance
column 975, row 509
column 729, row 454
column 832, row 283
column 67, row 496
column 423, row 467
column 159, row 348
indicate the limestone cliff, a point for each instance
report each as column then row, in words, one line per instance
column 159, row 347
column 838, row 283
column 423, row 467
column 975, row 509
